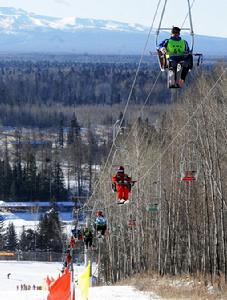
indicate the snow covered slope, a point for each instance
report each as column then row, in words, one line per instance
column 29, row 220
column 33, row 273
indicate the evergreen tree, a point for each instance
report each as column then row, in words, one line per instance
column 74, row 131
column 23, row 240
column 43, row 233
column 31, row 176
column 50, row 232
column 11, row 238
column 1, row 233
column 75, row 147
column 27, row 240
column 44, row 180
column 61, row 134
column 5, row 174
column 2, row 179
column 92, row 149
column 17, row 186
column 57, row 183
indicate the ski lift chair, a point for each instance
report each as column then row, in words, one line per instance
column 152, row 206
column 190, row 161
column 189, row 176
column 131, row 223
column 174, row 75
column 189, row 171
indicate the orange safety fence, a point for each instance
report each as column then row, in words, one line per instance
column 5, row 253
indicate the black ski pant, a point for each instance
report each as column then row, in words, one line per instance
column 101, row 228
column 88, row 241
column 186, row 62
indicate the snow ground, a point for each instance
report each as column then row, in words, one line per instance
column 35, row 272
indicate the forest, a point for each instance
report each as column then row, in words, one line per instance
column 49, row 236
column 170, row 226
column 43, row 93
column 39, row 165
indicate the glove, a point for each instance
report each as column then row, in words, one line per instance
column 163, row 50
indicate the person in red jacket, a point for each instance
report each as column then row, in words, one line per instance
column 122, row 184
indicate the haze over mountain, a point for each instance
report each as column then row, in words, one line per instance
column 21, row 31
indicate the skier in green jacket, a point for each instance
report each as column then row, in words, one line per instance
column 176, row 50
column 88, row 237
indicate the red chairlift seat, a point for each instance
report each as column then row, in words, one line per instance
column 189, row 176
column 131, row 223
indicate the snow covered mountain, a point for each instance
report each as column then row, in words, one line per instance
column 14, row 20
column 21, row 31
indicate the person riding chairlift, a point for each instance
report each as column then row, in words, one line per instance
column 100, row 224
column 88, row 237
column 176, row 50
column 122, row 184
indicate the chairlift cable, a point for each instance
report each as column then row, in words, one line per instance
column 143, row 106
column 129, row 97
column 140, row 112
column 147, row 98
column 99, row 181
column 186, row 123
column 138, row 68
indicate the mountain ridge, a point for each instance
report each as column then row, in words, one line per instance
column 10, row 17
column 22, row 31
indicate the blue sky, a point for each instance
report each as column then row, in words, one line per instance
column 209, row 17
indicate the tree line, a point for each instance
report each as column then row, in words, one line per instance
column 50, row 166
column 47, row 237
column 41, row 93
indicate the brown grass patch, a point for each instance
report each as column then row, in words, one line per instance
column 178, row 287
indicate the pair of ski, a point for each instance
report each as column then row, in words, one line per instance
column 101, row 238
column 120, row 202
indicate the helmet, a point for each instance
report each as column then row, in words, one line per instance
column 175, row 30
column 120, row 169
column 99, row 213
